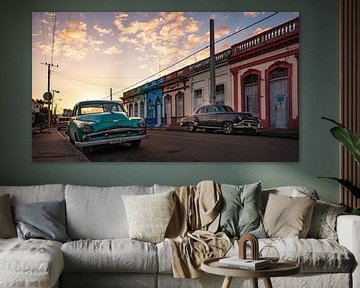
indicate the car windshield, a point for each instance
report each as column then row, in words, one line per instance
column 225, row 109
column 94, row 108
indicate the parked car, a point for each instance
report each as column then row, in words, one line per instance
column 62, row 123
column 221, row 117
column 104, row 122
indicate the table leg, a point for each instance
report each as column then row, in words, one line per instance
column 267, row 283
column 227, row 282
column 254, row 282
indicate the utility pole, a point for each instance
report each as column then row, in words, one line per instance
column 48, row 93
column 110, row 94
column 212, row 64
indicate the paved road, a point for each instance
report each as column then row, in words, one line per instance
column 177, row 146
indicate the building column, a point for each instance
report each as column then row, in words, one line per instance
column 235, row 73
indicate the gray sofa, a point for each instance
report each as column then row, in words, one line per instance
column 100, row 253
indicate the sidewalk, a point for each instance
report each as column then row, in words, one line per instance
column 54, row 147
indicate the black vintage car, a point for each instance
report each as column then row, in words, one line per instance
column 221, row 117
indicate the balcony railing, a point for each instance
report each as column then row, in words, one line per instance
column 267, row 36
column 220, row 57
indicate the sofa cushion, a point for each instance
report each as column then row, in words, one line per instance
column 323, row 222
column 313, row 255
column 34, row 193
column 117, row 255
column 43, row 220
column 7, row 226
column 240, row 210
column 149, row 215
column 98, row 213
column 30, row 263
column 287, row 216
column 291, row 191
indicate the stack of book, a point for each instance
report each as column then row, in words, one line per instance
column 248, row 264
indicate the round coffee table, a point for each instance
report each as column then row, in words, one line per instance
column 281, row 268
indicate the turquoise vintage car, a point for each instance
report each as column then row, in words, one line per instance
column 101, row 122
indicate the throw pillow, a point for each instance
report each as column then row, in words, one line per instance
column 288, row 217
column 149, row 215
column 44, row 220
column 323, row 222
column 7, row 226
column 240, row 213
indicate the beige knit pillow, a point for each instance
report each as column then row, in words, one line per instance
column 149, row 215
column 288, row 217
column 7, row 226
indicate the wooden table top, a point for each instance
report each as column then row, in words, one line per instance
column 281, row 268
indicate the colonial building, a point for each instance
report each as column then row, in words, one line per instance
column 259, row 75
column 265, row 76
column 198, row 93
column 174, row 87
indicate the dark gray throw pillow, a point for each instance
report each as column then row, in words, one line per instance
column 240, row 213
column 44, row 220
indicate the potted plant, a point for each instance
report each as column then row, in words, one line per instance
column 351, row 141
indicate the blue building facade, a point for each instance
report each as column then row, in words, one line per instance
column 154, row 114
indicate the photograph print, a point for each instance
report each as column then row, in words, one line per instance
column 165, row 86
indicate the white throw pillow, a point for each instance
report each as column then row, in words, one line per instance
column 149, row 215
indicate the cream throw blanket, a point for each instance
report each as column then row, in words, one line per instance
column 191, row 231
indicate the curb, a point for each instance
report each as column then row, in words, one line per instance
column 76, row 151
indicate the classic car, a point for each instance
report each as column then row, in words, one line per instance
column 221, row 117
column 101, row 122
column 62, row 123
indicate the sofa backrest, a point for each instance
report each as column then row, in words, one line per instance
column 35, row 193
column 98, row 212
column 293, row 191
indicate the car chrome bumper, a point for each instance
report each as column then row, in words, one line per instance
column 110, row 141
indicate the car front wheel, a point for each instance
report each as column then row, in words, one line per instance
column 135, row 144
column 228, row 128
column 191, row 127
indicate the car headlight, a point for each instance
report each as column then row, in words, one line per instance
column 86, row 128
column 142, row 123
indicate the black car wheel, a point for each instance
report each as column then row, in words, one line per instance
column 191, row 127
column 135, row 144
column 228, row 128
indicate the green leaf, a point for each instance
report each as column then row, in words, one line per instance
column 349, row 139
column 347, row 184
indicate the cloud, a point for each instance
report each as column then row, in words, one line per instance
column 260, row 30
column 112, row 50
column 251, row 14
column 102, row 31
column 168, row 35
column 72, row 42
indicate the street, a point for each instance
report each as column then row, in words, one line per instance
column 179, row 146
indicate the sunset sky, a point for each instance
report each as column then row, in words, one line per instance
column 96, row 51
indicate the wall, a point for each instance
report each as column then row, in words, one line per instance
column 319, row 89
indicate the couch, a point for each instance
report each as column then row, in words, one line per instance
column 99, row 252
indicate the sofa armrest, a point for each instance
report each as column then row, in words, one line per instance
column 348, row 230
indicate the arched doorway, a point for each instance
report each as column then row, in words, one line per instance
column 251, row 87
column 279, row 97
column 158, row 112
column 168, row 109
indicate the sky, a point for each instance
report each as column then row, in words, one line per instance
column 93, row 52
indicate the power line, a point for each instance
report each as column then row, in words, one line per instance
column 42, row 32
column 53, row 39
column 64, row 39
column 198, row 51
